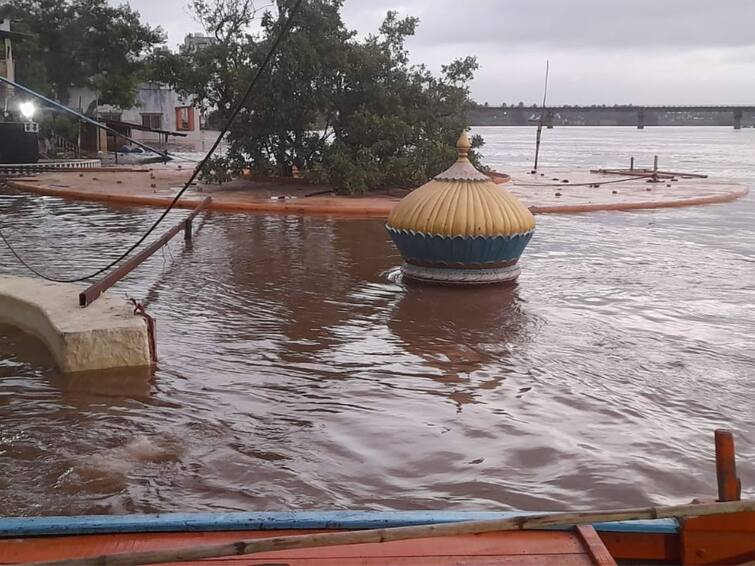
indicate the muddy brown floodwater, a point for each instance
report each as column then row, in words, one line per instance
column 297, row 371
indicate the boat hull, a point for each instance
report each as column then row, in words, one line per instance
column 703, row 540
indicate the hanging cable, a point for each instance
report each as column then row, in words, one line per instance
column 237, row 109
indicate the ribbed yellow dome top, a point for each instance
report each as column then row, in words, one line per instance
column 461, row 201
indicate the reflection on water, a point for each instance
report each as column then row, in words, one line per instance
column 465, row 337
column 297, row 370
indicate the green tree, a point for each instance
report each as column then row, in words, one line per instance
column 81, row 43
column 211, row 73
column 352, row 114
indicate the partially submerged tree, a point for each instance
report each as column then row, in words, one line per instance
column 82, row 43
column 393, row 123
column 352, row 114
column 212, row 73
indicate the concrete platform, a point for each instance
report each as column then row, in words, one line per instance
column 106, row 335
column 158, row 185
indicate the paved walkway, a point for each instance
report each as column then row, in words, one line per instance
column 157, row 185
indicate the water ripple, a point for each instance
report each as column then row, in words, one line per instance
column 298, row 370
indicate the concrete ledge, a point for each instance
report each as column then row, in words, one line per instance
column 580, row 195
column 106, row 335
column 629, row 206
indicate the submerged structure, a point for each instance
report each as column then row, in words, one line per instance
column 461, row 228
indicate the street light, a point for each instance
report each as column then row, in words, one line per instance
column 27, row 109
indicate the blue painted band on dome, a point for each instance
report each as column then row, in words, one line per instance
column 432, row 249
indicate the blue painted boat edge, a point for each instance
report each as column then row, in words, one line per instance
column 13, row 527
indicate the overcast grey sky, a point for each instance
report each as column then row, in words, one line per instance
column 601, row 51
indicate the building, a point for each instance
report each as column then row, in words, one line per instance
column 160, row 108
column 160, row 116
column 196, row 41
column 18, row 133
column 6, row 50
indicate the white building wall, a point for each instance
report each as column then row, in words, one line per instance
column 151, row 99
column 158, row 99
column 79, row 98
column 7, row 68
column 154, row 99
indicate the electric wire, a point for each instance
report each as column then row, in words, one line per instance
column 236, row 110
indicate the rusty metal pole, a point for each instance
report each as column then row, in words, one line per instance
column 88, row 296
column 542, row 118
column 729, row 485
column 188, row 229
column 537, row 143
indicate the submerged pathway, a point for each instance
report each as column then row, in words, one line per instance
column 556, row 191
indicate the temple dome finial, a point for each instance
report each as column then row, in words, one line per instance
column 463, row 145
column 461, row 227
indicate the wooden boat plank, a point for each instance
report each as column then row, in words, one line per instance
column 531, row 560
column 718, row 539
column 658, row 547
column 594, row 546
column 557, row 544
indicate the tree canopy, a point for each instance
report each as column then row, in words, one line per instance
column 81, row 43
column 351, row 113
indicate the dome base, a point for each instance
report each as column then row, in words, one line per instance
column 450, row 276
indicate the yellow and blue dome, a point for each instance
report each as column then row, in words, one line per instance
column 461, row 227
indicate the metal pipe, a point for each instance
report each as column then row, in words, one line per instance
column 542, row 117
column 83, row 117
column 92, row 293
column 537, row 142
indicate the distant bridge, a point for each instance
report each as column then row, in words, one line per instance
column 551, row 111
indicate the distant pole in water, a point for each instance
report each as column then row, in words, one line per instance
column 542, row 116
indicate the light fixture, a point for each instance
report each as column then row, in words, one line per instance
column 27, row 109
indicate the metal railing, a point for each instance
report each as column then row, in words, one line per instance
column 91, row 294
column 61, row 144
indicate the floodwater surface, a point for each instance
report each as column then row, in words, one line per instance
column 297, row 370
